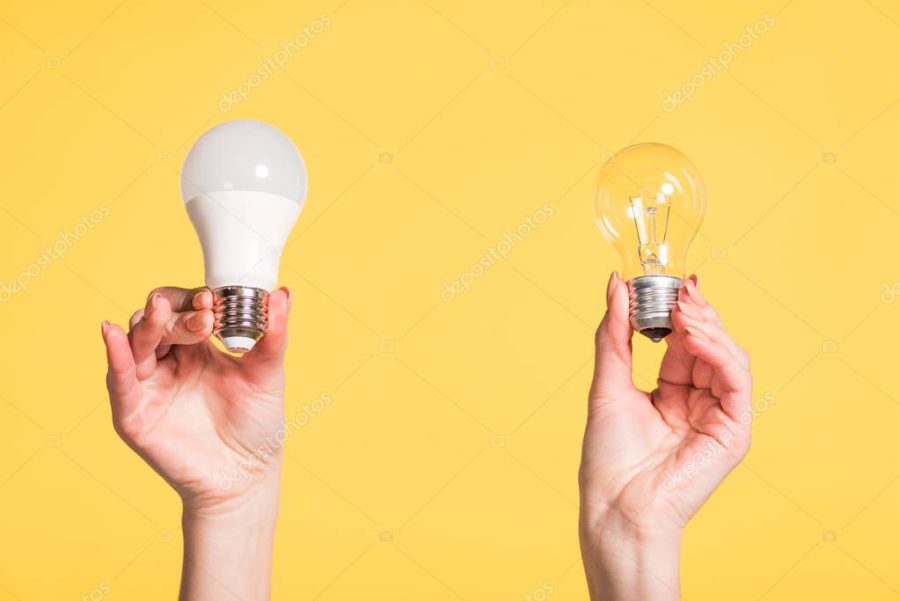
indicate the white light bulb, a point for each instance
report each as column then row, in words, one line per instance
column 244, row 185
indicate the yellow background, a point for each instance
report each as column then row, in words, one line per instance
column 445, row 466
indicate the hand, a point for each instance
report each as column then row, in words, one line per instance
column 650, row 460
column 204, row 420
column 209, row 424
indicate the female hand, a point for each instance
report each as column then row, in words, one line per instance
column 209, row 424
column 650, row 460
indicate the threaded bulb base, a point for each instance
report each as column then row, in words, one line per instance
column 241, row 314
column 651, row 299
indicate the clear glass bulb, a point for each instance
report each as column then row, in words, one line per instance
column 244, row 184
column 650, row 202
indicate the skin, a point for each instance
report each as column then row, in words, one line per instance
column 650, row 460
column 208, row 423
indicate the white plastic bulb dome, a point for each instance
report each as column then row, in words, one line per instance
column 244, row 156
column 244, row 184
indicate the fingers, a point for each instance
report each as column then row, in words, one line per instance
column 158, row 326
column 704, row 337
column 612, row 369
column 180, row 299
column 692, row 303
column 271, row 347
column 186, row 328
column 121, row 379
column 147, row 334
column 185, row 299
column 678, row 364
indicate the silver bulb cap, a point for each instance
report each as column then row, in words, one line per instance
column 241, row 314
column 651, row 299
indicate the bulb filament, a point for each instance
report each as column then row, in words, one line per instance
column 652, row 252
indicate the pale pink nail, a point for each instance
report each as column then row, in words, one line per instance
column 610, row 285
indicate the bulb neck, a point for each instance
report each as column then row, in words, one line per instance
column 241, row 314
column 651, row 299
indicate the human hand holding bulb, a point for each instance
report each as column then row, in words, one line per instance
column 206, row 421
column 650, row 459
column 198, row 415
column 193, row 413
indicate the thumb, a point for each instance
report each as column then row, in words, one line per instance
column 271, row 347
column 612, row 367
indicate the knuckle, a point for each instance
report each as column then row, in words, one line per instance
column 172, row 327
column 607, row 346
column 129, row 428
column 601, row 328
column 122, row 429
column 742, row 446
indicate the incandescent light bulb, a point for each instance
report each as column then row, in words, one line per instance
column 649, row 202
column 244, row 185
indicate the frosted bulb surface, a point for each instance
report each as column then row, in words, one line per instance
column 244, row 184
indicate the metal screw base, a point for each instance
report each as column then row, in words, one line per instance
column 241, row 314
column 651, row 300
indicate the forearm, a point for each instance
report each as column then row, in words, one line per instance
column 623, row 564
column 228, row 551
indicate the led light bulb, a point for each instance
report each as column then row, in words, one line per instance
column 244, row 185
column 649, row 203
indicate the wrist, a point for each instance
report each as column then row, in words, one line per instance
column 254, row 506
column 626, row 560
column 233, row 493
column 228, row 546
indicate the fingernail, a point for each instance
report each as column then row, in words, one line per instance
column 693, row 292
column 613, row 280
column 695, row 278
column 104, row 327
column 287, row 292
column 690, row 331
column 200, row 294
column 154, row 303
